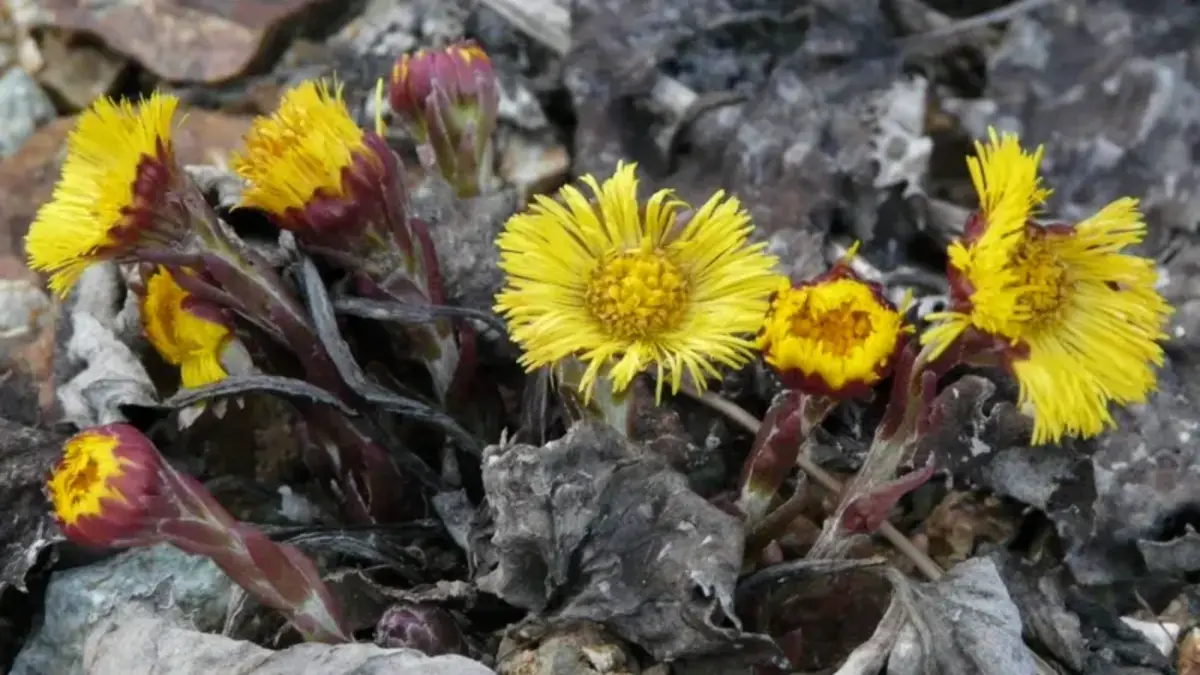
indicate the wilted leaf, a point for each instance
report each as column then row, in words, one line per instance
column 103, row 373
column 1176, row 557
column 592, row 527
column 1040, row 598
column 26, row 458
column 964, row 623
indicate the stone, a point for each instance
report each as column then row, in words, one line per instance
column 23, row 108
column 532, row 164
column 162, row 579
column 78, row 72
column 178, row 40
column 138, row 643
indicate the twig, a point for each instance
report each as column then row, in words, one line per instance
column 739, row 415
column 984, row 20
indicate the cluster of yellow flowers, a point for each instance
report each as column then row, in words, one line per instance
column 124, row 197
column 120, row 184
column 625, row 287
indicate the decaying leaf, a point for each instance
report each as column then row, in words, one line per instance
column 591, row 527
column 964, row 623
column 1176, row 557
column 26, row 458
column 104, row 373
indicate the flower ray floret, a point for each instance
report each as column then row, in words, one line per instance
column 100, row 487
column 317, row 172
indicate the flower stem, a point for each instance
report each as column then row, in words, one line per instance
column 788, row 422
column 277, row 575
column 751, row 424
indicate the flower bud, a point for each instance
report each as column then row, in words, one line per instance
column 423, row 627
column 450, row 98
column 104, row 486
column 836, row 335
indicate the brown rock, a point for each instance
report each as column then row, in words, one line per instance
column 533, row 165
column 78, row 72
column 206, row 137
column 181, row 40
column 28, row 177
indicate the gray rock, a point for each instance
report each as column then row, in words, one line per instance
column 1111, row 88
column 134, row 643
column 161, row 579
column 23, row 108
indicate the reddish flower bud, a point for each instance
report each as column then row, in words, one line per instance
column 104, row 486
column 451, row 100
column 836, row 335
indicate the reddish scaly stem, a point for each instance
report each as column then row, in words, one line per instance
column 790, row 419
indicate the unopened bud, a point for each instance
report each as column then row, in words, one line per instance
column 104, row 486
column 450, row 98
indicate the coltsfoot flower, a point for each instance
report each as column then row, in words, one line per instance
column 836, row 335
column 102, row 486
column 115, row 193
column 624, row 286
column 186, row 331
column 451, row 100
column 340, row 188
column 1078, row 320
column 113, row 488
column 312, row 168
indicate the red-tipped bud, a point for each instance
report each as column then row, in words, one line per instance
column 450, row 98
column 836, row 335
column 104, row 488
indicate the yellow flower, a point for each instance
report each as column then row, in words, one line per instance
column 1080, row 321
column 118, row 166
column 187, row 333
column 101, row 487
column 300, row 151
column 624, row 286
column 836, row 335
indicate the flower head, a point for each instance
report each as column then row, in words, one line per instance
column 1079, row 321
column 450, row 98
column 836, row 335
column 187, row 332
column 101, row 487
column 118, row 170
column 624, row 286
column 313, row 168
